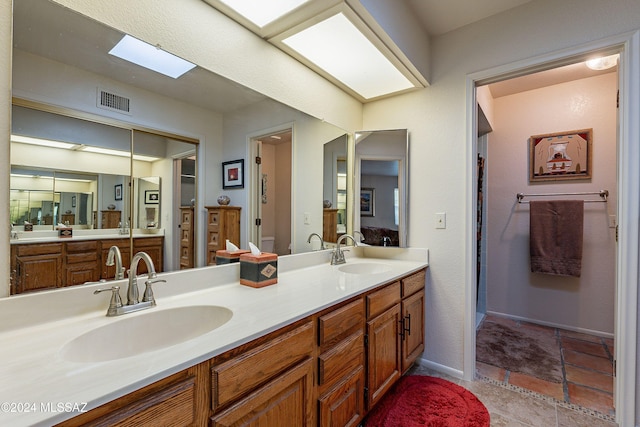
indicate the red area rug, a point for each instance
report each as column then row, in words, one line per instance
column 417, row 400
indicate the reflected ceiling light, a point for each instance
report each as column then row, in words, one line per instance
column 119, row 153
column 151, row 57
column 338, row 47
column 42, row 142
column 603, row 63
column 263, row 12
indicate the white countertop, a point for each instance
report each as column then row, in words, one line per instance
column 34, row 377
column 25, row 237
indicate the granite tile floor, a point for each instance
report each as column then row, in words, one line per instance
column 511, row 406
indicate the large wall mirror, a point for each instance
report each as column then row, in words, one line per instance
column 157, row 149
column 381, row 187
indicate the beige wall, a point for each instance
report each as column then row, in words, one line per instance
column 585, row 303
column 439, row 147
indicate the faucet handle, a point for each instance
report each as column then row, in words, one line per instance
column 116, row 301
column 148, row 291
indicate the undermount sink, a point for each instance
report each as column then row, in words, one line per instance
column 364, row 268
column 143, row 332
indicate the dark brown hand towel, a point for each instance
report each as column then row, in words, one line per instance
column 555, row 236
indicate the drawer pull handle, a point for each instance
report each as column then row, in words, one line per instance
column 407, row 324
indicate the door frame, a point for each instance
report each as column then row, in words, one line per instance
column 254, row 207
column 628, row 212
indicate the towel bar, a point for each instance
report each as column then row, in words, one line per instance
column 602, row 193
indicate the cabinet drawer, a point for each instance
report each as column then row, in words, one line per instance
column 83, row 257
column 88, row 246
column 147, row 242
column 234, row 378
column 44, row 249
column 214, row 219
column 379, row 301
column 341, row 359
column 413, row 283
column 340, row 322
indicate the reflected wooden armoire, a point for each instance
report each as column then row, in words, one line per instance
column 223, row 222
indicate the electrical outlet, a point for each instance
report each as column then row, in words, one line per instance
column 441, row 220
column 307, row 218
column 613, row 221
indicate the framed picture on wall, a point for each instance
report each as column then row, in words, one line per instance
column 151, row 197
column 561, row 156
column 233, row 174
column 118, row 192
column 367, row 202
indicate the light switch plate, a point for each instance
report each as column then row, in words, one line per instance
column 441, row 220
column 307, row 218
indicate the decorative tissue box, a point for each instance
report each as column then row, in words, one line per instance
column 258, row 271
column 227, row 257
column 65, row 232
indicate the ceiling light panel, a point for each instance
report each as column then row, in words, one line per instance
column 336, row 46
column 263, row 12
column 150, row 57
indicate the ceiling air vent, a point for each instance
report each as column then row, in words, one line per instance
column 113, row 102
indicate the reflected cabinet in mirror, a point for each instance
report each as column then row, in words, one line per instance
column 334, row 218
column 381, row 187
column 78, row 188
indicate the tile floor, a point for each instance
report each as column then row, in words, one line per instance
column 587, row 373
column 511, row 406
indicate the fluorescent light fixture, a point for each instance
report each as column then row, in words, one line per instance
column 263, row 12
column 151, row 57
column 603, row 63
column 120, row 153
column 338, row 47
column 42, row 142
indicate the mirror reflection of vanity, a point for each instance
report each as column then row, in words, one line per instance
column 61, row 68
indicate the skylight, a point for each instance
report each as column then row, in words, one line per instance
column 338, row 47
column 262, row 12
column 150, row 57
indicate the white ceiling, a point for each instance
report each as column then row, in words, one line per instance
column 441, row 16
column 49, row 30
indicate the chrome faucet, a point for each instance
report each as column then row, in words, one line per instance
column 356, row 233
column 386, row 241
column 114, row 254
column 132, row 290
column 322, row 247
column 116, row 308
column 337, row 256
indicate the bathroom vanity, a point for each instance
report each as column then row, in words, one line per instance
column 48, row 263
column 320, row 347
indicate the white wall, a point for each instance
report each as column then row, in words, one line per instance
column 437, row 121
column 585, row 303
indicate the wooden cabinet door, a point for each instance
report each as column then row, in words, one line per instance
column 287, row 400
column 38, row 272
column 383, row 357
column 153, row 246
column 109, row 272
column 186, row 238
column 413, row 323
column 344, row 404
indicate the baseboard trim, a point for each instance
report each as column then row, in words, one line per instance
column 455, row 373
column 553, row 324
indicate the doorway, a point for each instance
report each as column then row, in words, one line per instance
column 575, row 316
column 272, row 171
column 625, row 208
